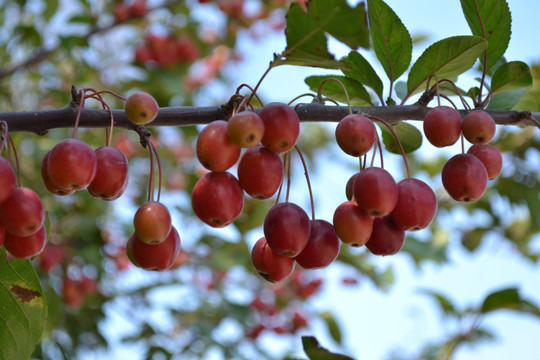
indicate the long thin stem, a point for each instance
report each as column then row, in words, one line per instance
column 152, row 172
column 17, row 164
column 399, row 143
column 306, row 172
column 288, row 177
column 156, row 154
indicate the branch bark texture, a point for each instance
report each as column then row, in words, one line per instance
column 40, row 122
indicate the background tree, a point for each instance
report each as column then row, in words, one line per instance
column 213, row 302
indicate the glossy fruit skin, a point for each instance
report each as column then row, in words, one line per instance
column 281, row 127
column 111, row 177
column 152, row 222
column 352, row 224
column 25, row 247
column 217, row 199
column 155, row 257
column 464, row 177
column 260, row 172
column 7, row 180
column 272, row 266
column 322, row 247
column 246, row 129
column 141, row 108
column 49, row 184
column 349, row 187
column 22, row 213
column 478, row 127
column 442, row 126
column 375, row 191
column 416, row 205
column 387, row 238
column 490, row 156
column 214, row 149
column 355, row 134
column 72, row 164
column 286, row 229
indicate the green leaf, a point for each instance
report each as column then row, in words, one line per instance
column 491, row 20
column 409, row 136
column 358, row 94
column 507, row 100
column 508, row 299
column 446, row 58
column 445, row 304
column 51, row 8
column 425, row 250
column 361, row 70
column 511, row 76
column 24, row 308
column 332, row 325
column 392, row 42
column 316, row 352
column 306, row 32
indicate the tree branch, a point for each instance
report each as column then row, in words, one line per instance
column 40, row 122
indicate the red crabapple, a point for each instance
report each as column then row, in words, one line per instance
column 269, row 264
column 286, row 229
column 442, row 126
column 154, row 256
column 464, row 177
column 215, row 149
column 22, row 213
column 152, row 222
column 387, row 238
column 260, row 172
column 416, row 205
column 478, row 127
column 245, row 129
column 7, row 180
column 322, row 247
column 281, row 127
column 111, row 173
column 352, row 224
column 375, row 191
column 141, row 108
column 72, row 164
column 25, row 247
column 490, row 156
column 355, row 134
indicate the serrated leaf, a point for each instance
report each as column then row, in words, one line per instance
column 446, row 58
column 491, row 20
column 409, row 136
column 306, row 32
column 508, row 299
column 358, row 94
column 511, row 76
column 23, row 308
column 314, row 351
column 359, row 69
column 392, row 42
column 332, row 325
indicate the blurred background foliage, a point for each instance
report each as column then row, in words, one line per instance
column 212, row 302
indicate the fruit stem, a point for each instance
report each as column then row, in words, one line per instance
column 300, row 96
column 17, row 164
column 152, row 172
column 281, row 185
column 5, row 135
column 81, row 105
column 306, row 173
column 97, row 96
column 252, row 91
column 288, row 177
column 399, row 143
column 342, row 86
column 156, row 154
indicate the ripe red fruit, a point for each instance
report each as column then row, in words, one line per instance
column 355, row 134
column 121, row 12
column 72, row 164
column 111, row 176
column 281, row 127
column 352, row 224
column 25, row 247
column 478, row 127
column 322, row 247
column 7, row 180
column 217, row 199
column 72, row 292
column 246, row 129
column 416, row 205
column 442, row 126
column 154, row 256
column 260, row 172
column 387, row 238
column 464, row 177
column 51, row 256
column 49, row 184
column 22, row 213
column 141, row 108
column 138, row 9
column 214, row 149
column 349, row 187
column 286, row 228
column 490, row 157
column 375, row 191
column 269, row 264
column 152, row 222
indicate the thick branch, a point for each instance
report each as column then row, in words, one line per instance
column 41, row 121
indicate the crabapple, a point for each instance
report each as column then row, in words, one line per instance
column 286, row 229
column 260, row 172
column 352, row 224
column 387, row 238
column 281, row 127
column 7, row 180
column 245, row 129
column 25, row 247
column 355, row 134
column 154, row 256
column 72, row 164
column 111, row 173
column 478, row 127
column 22, row 213
column 152, row 222
column 464, row 177
column 322, row 247
column 375, row 191
column 416, row 205
column 442, row 126
column 214, row 148
column 141, row 108
column 269, row 264
column 490, row 156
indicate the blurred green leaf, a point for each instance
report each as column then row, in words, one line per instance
column 392, row 42
column 508, row 299
column 50, row 9
column 444, row 303
column 409, row 136
column 511, row 76
column 425, row 250
column 358, row 95
column 332, row 326
column 316, row 352
column 490, row 19
column 505, row 101
column 24, row 308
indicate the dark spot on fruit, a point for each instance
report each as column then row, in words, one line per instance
column 259, row 197
column 479, row 139
column 143, row 114
column 216, row 221
column 355, row 245
column 250, row 138
column 355, row 153
column 25, row 295
column 283, row 144
column 288, row 253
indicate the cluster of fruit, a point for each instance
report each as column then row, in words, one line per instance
column 123, row 11
column 167, row 50
column 465, row 176
column 22, row 228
